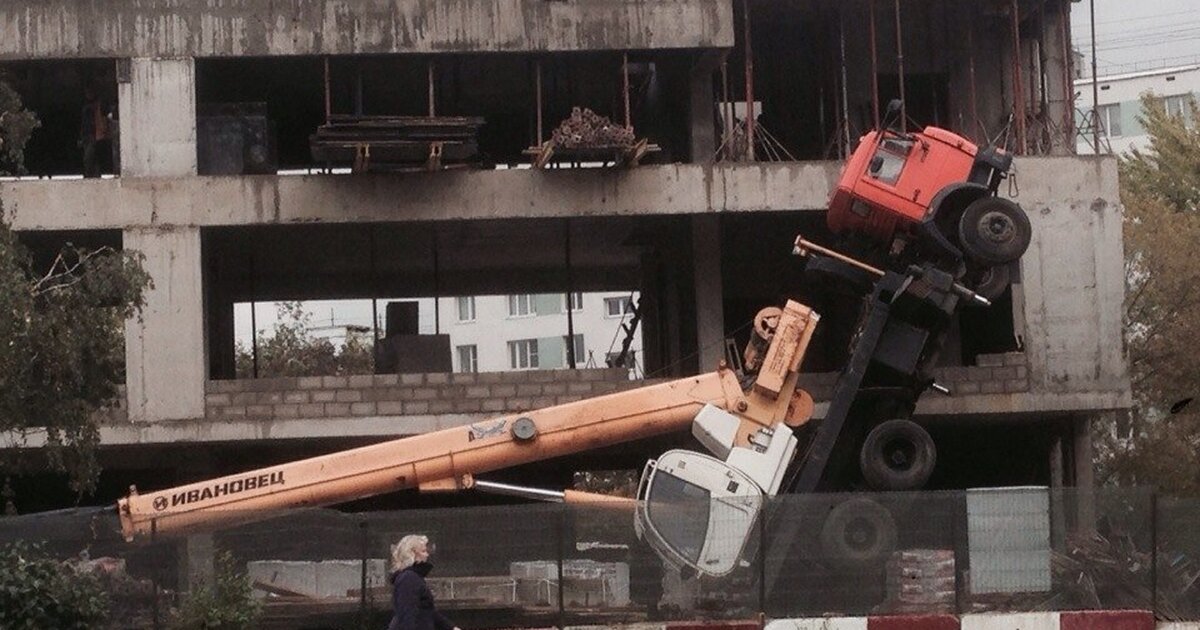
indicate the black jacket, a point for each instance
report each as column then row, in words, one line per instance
column 412, row 604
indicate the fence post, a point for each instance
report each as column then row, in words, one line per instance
column 762, row 554
column 157, row 573
column 1154, row 552
column 562, row 551
column 362, row 593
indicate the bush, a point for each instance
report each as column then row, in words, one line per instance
column 39, row 592
column 227, row 603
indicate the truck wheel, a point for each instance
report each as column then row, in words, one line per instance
column 897, row 455
column 858, row 531
column 994, row 231
column 837, row 276
column 991, row 283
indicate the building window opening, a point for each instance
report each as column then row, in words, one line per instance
column 523, row 354
column 521, row 305
column 466, row 308
column 468, row 359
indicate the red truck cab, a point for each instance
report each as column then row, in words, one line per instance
column 934, row 187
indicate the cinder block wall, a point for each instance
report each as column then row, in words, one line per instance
column 508, row 392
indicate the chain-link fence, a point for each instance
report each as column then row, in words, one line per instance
column 541, row 565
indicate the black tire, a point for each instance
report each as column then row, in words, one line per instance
column 835, row 275
column 858, row 532
column 994, row 231
column 991, row 283
column 898, row 455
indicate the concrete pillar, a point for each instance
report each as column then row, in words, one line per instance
column 158, row 118
column 164, row 348
column 702, row 129
column 1085, row 473
column 197, row 561
column 1056, row 53
column 710, row 304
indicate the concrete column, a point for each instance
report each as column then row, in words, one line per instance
column 1058, row 87
column 702, row 108
column 710, row 304
column 1085, row 472
column 164, row 349
column 197, row 561
column 158, row 118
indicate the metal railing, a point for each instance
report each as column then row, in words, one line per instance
column 539, row 565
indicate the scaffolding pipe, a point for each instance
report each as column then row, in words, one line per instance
column 538, row 98
column 749, row 82
column 571, row 358
column 900, row 69
column 971, row 73
column 328, row 103
column 1018, row 88
column 726, row 106
column 1095, row 84
column 845, row 90
column 1064, row 30
column 432, row 108
column 625, row 88
column 874, row 65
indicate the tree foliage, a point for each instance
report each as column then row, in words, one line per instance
column 62, row 344
column 1160, row 191
column 38, row 592
column 292, row 350
column 227, row 603
column 16, row 127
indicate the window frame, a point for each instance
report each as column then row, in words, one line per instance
column 523, row 354
column 470, row 301
column 516, row 300
column 580, row 349
column 625, row 308
column 473, row 355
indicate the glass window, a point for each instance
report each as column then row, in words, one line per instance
column 579, row 350
column 466, row 308
column 573, row 302
column 678, row 510
column 1110, row 120
column 617, row 306
column 889, row 160
column 1176, row 105
column 523, row 354
column 468, row 358
column 521, row 305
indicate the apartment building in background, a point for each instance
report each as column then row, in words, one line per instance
column 1120, row 105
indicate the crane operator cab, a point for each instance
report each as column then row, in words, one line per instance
column 700, row 512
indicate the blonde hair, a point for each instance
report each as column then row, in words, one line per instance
column 404, row 552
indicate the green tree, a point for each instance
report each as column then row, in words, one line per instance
column 62, row 344
column 1160, row 191
column 227, row 603
column 16, row 127
column 38, row 592
column 291, row 350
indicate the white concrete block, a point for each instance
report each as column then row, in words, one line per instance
column 158, row 118
column 819, row 623
column 1014, row 621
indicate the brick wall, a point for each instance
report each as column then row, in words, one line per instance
column 406, row 394
column 507, row 392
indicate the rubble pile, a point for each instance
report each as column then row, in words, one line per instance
column 1101, row 572
column 585, row 129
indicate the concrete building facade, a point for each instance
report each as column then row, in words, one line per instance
column 705, row 241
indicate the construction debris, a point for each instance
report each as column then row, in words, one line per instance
column 585, row 129
column 920, row 581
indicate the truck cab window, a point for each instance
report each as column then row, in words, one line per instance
column 889, row 160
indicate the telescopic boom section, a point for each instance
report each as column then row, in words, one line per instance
column 448, row 459
column 439, row 456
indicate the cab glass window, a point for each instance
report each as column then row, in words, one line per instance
column 678, row 511
column 889, row 159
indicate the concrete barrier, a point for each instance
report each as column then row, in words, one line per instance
column 913, row 622
column 1107, row 620
column 820, row 623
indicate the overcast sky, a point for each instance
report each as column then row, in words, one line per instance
column 1138, row 34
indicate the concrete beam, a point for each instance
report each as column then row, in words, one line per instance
column 41, row 29
column 451, row 195
column 164, row 347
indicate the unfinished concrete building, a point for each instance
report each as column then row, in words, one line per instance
column 244, row 173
